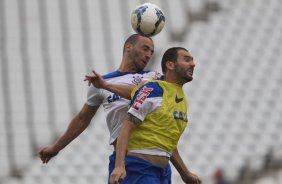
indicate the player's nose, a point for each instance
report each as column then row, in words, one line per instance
column 148, row 56
column 193, row 64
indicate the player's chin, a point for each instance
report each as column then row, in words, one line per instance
column 142, row 66
column 189, row 78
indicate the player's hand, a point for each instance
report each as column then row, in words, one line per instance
column 117, row 175
column 191, row 179
column 95, row 79
column 47, row 153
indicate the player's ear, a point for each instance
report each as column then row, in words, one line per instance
column 170, row 65
column 128, row 46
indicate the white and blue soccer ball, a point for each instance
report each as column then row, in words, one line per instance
column 147, row 19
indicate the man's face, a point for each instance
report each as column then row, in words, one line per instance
column 141, row 53
column 184, row 67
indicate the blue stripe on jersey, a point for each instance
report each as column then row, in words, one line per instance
column 118, row 73
column 150, row 90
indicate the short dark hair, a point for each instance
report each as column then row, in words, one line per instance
column 133, row 40
column 170, row 54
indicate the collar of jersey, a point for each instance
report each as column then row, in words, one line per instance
column 118, row 73
column 175, row 84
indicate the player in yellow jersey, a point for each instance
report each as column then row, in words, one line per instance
column 156, row 119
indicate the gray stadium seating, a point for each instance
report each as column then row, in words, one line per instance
column 48, row 46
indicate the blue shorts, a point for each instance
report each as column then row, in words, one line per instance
column 140, row 171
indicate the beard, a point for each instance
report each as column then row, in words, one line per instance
column 137, row 63
column 184, row 75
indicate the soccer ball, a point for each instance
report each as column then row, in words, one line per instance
column 147, row 19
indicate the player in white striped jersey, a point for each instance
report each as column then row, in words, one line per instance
column 137, row 52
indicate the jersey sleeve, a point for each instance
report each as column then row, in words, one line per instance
column 152, row 75
column 146, row 99
column 94, row 97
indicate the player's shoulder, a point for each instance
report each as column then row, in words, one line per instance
column 93, row 90
column 152, row 74
column 152, row 88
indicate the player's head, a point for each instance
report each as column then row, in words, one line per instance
column 218, row 175
column 137, row 51
column 179, row 62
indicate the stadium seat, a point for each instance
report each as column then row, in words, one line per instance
column 234, row 100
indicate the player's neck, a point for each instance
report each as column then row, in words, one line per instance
column 173, row 79
column 126, row 68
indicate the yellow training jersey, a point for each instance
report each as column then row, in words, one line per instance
column 162, row 108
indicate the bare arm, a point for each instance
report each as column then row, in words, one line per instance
column 97, row 80
column 129, row 124
column 77, row 125
column 122, row 90
column 185, row 174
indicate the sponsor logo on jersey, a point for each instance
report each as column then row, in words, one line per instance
column 113, row 98
column 141, row 97
column 177, row 100
column 137, row 80
column 180, row 115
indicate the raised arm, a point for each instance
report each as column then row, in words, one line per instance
column 97, row 80
column 77, row 125
column 185, row 174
